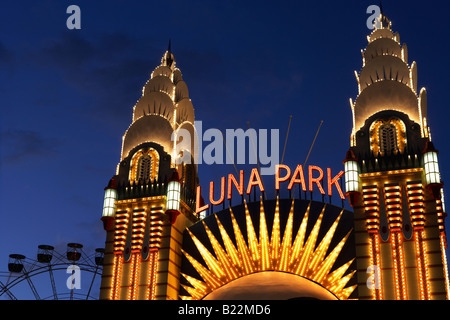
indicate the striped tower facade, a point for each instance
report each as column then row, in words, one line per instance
column 150, row 201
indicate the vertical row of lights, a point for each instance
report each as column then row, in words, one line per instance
column 155, row 234
column 117, row 276
column 137, row 235
column 136, row 280
column 422, row 264
column 264, row 239
column 151, row 262
column 286, row 244
column 444, row 259
column 372, row 210
column 416, row 208
column 443, row 242
column 376, row 247
column 120, row 235
column 113, row 276
column 154, row 274
column 131, row 277
column 275, row 236
column 394, row 213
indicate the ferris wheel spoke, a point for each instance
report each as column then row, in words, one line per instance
column 52, row 281
column 30, row 283
column 5, row 289
column 92, row 283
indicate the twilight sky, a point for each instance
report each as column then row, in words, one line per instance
column 66, row 96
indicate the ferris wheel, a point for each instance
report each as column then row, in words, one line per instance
column 74, row 275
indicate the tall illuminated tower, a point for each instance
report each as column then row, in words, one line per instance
column 150, row 201
column 393, row 180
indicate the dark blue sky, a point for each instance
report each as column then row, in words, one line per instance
column 66, row 96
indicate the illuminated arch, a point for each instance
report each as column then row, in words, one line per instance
column 144, row 165
column 307, row 255
column 387, row 136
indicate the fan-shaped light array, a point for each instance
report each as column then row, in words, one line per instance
column 300, row 255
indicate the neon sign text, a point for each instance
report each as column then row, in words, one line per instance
column 283, row 173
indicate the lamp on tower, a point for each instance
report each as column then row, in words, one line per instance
column 109, row 206
column 173, row 197
column 432, row 174
column 352, row 171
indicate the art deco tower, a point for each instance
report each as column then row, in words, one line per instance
column 149, row 202
column 392, row 178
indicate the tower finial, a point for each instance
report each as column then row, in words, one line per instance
column 168, row 58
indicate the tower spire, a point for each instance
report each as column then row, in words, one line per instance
column 389, row 178
column 168, row 58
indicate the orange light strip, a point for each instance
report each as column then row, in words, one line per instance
column 134, row 277
column 374, row 258
column 131, row 276
column 421, row 265
column 372, row 209
column 113, row 278
column 443, row 244
column 394, row 212
column 117, row 276
column 138, row 229
column 416, row 208
column 151, row 275
column 120, row 232
column 444, row 262
column 379, row 173
column 155, row 228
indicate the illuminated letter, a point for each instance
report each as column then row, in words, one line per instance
column 335, row 182
column 197, row 202
column 222, row 192
column 74, row 21
column 240, row 187
column 277, row 175
column 316, row 180
column 257, row 182
column 298, row 170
